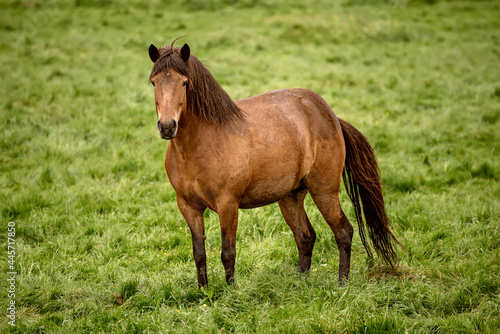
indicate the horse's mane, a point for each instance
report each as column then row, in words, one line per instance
column 205, row 97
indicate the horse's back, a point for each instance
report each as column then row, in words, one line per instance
column 301, row 107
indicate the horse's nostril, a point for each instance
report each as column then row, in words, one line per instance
column 167, row 130
column 171, row 125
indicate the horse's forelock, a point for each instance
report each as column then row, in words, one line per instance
column 169, row 59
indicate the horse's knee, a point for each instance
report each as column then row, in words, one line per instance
column 200, row 259
column 199, row 249
column 228, row 256
column 307, row 241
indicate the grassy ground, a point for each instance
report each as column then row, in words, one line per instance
column 82, row 166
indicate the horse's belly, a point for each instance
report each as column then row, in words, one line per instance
column 267, row 191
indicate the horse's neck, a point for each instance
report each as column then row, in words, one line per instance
column 192, row 132
column 195, row 134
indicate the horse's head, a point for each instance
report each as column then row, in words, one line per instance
column 170, row 81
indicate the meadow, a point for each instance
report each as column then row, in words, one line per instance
column 100, row 244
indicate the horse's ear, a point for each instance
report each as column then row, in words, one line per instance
column 185, row 52
column 153, row 53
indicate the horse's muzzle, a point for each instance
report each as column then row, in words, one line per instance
column 167, row 130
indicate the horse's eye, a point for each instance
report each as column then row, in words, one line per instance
column 153, row 83
column 185, row 83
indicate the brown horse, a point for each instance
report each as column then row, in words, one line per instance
column 275, row 147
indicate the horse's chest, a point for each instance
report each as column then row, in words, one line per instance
column 199, row 183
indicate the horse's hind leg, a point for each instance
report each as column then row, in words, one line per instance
column 326, row 199
column 292, row 208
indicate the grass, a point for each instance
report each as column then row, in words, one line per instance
column 82, row 174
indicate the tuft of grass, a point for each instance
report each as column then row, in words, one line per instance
column 485, row 170
column 128, row 289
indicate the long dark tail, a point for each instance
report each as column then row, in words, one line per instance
column 362, row 181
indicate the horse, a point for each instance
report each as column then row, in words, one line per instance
column 228, row 155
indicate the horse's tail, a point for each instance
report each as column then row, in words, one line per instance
column 362, row 181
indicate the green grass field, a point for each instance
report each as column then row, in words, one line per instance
column 82, row 174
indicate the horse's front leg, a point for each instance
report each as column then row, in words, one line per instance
column 228, row 218
column 194, row 219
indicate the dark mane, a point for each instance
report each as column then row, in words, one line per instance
column 205, row 97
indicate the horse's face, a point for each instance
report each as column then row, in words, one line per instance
column 170, row 99
column 170, row 89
